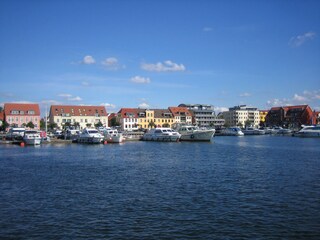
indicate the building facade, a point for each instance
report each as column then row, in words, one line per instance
column 78, row 116
column 204, row 115
column 242, row 116
column 181, row 115
column 129, row 119
column 290, row 116
column 262, row 115
column 20, row 114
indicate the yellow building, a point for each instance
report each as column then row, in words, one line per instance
column 262, row 115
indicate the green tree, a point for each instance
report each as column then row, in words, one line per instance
column 114, row 122
column 52, row 125
column 42, row 123
column 67, row 125
column 151, row 124
column 30, row 125
column 98, row 124
column 88, row 125
column 76, row 125
column 247, row 123
column 4, row 126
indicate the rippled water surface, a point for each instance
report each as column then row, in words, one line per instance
column 233, row 188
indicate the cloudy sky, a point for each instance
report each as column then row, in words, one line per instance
column 158, row 54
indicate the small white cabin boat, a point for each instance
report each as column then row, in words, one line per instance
column 32, row 137
column 112, row 135
column 161, row 135
column 90, row 135
column 232, row 131
column 253, row 131
column 194, row 133
column 309, row 131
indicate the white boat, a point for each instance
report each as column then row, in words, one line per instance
column 15, row 134
column 32, row 137
column 309, row 131
column 280, row 131
column 253, row 131
column 232, row 131
column 89, row 135
column 194, row 133
column 161, row 135
column 112, row 135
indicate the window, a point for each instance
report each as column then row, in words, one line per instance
column 14, row 112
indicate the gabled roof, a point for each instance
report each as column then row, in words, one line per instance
column 162, row 113
column 129, row 112
column 73, row 110
column 176, row 111
column 27, row 109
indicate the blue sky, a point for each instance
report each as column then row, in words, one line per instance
column 158, row 54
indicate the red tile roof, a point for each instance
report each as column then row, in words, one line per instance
column 21, row 107
column 177, row 110
column 124, row 112
column 73, row 110
column 2, row 116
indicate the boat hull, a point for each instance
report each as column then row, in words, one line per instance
column 201, row 136
column 89, row 140
column 169, row 138
column 32, row 141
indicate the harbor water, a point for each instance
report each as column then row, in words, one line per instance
column 255, row 187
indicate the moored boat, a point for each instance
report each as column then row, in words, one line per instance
column 309, row 131
column 193, row 133
column 232, row 131
column 253, row 131
column 112, row 135
column 89, row 135
column 31, row 137
column 161, row 135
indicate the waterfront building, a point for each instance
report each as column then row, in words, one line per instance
column 1, row 118
column 78, row 116
column 242, row 116
column 316, row 117
column 21, row 114
column 128, row 119
column 203, row 115
column 181, row 115
column 262, row 115
column 290, row 116
column 163, row 118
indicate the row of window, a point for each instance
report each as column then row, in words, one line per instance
column 29, row 112
column 21, row 119
column 64, row 120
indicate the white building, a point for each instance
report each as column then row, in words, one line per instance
column 242, row 115
column 83, row 116
column 129, row 119
column 204, row 115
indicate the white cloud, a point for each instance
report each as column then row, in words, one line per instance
column 220, row 109
column 299, row 98
column 88, row 60
column 77, row 98
column 207, row 29
column 112, row 63
column 245, row 94
column 65, row 95
column 307, row 97
column 166, row 66
column 108, row 105
column 301, row 39
column 144, row 105
column 140, row 80
column 69, row 97
column 85, row 83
